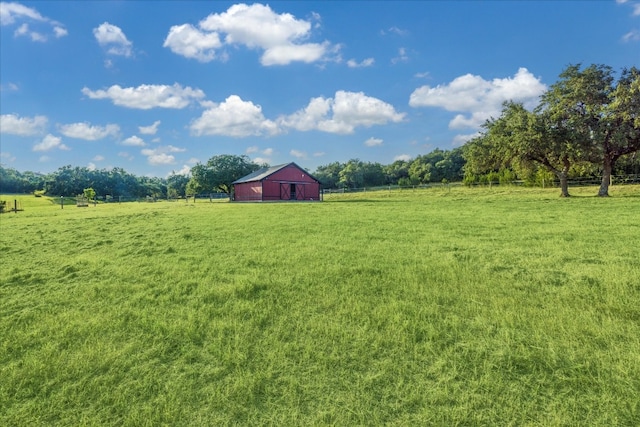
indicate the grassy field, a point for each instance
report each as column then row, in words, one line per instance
column 498, row 306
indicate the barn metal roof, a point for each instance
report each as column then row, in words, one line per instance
column 263, row 173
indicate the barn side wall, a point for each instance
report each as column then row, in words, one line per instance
column 248, row 191
column 308, row 188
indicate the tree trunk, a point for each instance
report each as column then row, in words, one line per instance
column 563, row 175
column 607, row 166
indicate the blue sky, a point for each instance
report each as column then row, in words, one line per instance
column 155, row 87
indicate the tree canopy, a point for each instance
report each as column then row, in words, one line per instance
column 219, row 173
column 584, row 118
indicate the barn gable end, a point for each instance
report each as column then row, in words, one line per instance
column 287, row 182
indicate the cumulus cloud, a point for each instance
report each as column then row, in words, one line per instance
column 477, row 99
column 352, row 63
column 88, row 132
column 134, row 141
column 161, row 156
column 342, row 114
column 145, row 97
column 281, row 37
column 10, row 12
column 113, row 39
column 403, row 157
column 261, row 160
column 25, row 30
column 23, row 126
column 149, row 130
column 298, row 154
column 49, row 143
column 460, row 140
column 233, row 117
column 373, row 142
column 13, row 13
column 98, row 158
column 186, row 170
column 188, row 41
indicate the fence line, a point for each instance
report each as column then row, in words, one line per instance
column 576, row 182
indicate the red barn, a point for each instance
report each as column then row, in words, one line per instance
column 282, row 182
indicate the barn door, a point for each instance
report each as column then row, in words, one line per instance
column 285, row 191
column 300, row 192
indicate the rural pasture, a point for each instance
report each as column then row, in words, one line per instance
column 485, row 306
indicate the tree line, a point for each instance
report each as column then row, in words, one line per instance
column 586, row 125
column 72, row 181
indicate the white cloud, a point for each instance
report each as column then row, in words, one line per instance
column 631, row 36
column 145, row 97
column 60, row 31
column 280, row 36
column 134, row 141
column 91, row 166
column 252, row 149
column 160, row 156
column 186, row 170
column 87, row 132
column 298, row 154
column 7, row 157
column 11, row 13
column 319, row 154
column 193, row 161
column 261, row 160
column 23, row 126
column 267, row 151
column 402, row 56
column 460, row 140
column 233, row 117
column 50, row 142
column 98, row 158
column 403, row 157
column 373, row 142
column 11, row 87
column 478, row 99
column 190, row 42
column 342, row 114
column 24, row 30
column 113, row 39
column 352, row 63
column 149, row 130
column 394, row 30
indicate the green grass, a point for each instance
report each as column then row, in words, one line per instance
column 499, row 306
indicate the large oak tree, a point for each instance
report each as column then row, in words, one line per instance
column 219, row 173
column 604, row 114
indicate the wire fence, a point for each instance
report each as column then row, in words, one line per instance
column 576, row 182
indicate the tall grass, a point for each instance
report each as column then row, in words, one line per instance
column 465, row 307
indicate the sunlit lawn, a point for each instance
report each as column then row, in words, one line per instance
column 499, row 306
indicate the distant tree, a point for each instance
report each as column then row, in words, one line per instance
column 177, row 185
column 219, row 172
column 396, row 171
column 13, row 181
column 89, row 193
column 329, row 175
